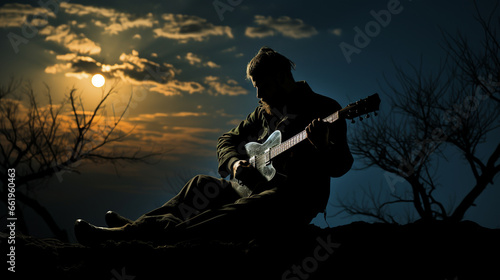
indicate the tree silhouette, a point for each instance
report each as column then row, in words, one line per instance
column 454, row 110
column 45, row 141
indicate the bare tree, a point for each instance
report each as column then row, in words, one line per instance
column 453, row 110
column 40, row 141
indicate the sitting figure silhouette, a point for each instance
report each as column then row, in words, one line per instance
column 251, row 203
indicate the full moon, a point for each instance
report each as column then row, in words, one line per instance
column 98, row 80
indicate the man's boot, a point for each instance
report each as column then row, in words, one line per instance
column 90, row 235
column 114, row 220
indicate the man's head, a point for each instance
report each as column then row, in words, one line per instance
column 271, row 75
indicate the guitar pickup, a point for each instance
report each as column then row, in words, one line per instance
column 267, row 159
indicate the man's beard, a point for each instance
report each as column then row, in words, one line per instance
column 274, row 104
column 266, row 107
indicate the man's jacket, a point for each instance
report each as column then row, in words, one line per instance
column 307, row 169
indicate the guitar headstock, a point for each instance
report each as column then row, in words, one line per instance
column 361, row 108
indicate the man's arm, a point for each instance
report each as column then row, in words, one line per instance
column 338, row 152
column 231, row 145
column 330, row 140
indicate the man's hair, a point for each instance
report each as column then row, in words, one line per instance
column 269, row 62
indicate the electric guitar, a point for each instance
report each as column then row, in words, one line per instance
column 261, row 155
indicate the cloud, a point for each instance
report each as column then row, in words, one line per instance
column 123, row 23
column 212, row 64
column 82, row 10
column 115, row 22
column 160, row 130
column 188, row 27
column 163, row 129
column 234, row 122
column 336, row 31
column 259, row 32
column 58, row 68
column 156, row 116
column 76, row 24
column 286, row 26
column 132, row 69
column 111, row 20
column 133, row 64
column 173, row 26
column 182, row 140
column 63, row 35
column 194, row 59
column 17, row 15
column 80, row 67
column 175, row 87
column 230, row 88
column 156, row 77
column 231, row 49
column 71, row 39
column 37, row 18
column 148, row 130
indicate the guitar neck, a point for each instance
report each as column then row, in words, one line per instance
column 296, row 139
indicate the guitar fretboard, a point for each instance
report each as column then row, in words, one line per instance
column 299, row 137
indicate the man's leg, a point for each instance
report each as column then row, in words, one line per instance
column 249, row 217
column 199, row 194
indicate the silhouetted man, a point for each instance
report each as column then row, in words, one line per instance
column 209, row 207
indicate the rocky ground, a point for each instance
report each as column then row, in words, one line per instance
column 356, row 251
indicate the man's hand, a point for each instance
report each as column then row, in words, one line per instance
column 318, row 134
column 239, row 166
column 245, row 172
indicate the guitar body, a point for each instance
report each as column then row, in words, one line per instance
column 257, row 153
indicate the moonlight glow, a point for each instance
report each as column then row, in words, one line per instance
column 98, row 80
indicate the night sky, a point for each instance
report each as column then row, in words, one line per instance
column 185, row 61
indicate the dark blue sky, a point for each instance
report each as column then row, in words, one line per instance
column 201, row 49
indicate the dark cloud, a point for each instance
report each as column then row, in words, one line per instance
column 17, row 15
column 188, row 27
column 132, row 68
column 111, row 20
column 286, row 26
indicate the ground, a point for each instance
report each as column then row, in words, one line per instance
column 359, row 250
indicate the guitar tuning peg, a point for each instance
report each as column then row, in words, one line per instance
column 367, row 116
column 361, row 118
column 353, row 121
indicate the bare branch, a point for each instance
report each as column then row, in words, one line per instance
column 434, row 113
column 41, row 143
